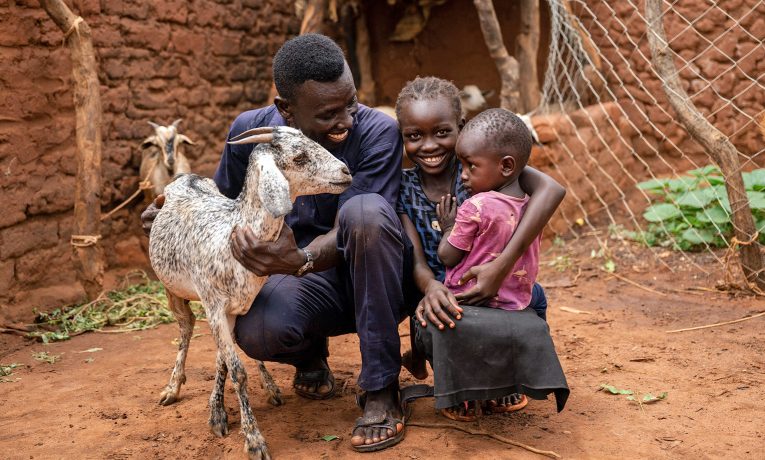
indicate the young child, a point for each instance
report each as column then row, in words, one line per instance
column 493, row 149
column 429, row 114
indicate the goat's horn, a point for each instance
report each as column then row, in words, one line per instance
column 256, row 139
column 250, row 132
column 153, row 125
column 185, row 139
column 175, row 123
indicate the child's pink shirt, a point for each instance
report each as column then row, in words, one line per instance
column 483, row 227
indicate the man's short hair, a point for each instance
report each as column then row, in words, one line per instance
column 306, row 57
column 505, row 130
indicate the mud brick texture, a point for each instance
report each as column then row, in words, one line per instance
column 201, row 60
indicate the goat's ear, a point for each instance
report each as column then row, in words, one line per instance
column 273, row 188
column 185, row 139
column 148, row 142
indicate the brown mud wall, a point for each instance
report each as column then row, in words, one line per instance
column 721, row 69
column 204, row 61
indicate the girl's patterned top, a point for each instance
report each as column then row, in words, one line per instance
column 413, row 202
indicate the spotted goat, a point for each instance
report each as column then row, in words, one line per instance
column 163, row 157
column 189, row 247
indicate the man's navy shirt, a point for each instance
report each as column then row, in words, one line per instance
column 372, row 153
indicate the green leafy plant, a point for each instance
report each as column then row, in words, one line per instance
column 134, row 307
column 45, row 357
column 613, row 390
column 609, row 265
column 6, row 370
column 561, row 262
column 647, row 398
column 692, row 211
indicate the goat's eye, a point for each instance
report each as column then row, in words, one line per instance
column 301, row 159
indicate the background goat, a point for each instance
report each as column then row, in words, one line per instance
column 162, row 158
column 189, row 247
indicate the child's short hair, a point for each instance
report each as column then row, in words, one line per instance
column 502, row 128
column 423, row 88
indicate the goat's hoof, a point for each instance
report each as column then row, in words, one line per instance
column 257, row 452
column 219, row 424
column 275, row 399
column 168, row 397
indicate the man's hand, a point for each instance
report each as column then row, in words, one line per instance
column 446, row 211
column 150, row 213
column 438, row 306
column 489, row 277
column 267, row 257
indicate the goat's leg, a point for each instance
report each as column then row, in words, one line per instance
column 218, row 421
column 254, row 444
column 267, row 383
column 266, row 380
column 185, row 318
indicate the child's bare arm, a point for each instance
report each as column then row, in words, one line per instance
column 446, row 211
column 448, row 254
column 545, row 196
column 422, row 272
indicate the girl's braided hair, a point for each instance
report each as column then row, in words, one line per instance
column 424, row 88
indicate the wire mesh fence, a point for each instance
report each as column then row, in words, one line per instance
column 618, row 145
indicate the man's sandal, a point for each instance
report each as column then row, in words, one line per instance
column 318, row 377
column 388, row 421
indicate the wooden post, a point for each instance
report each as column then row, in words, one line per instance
column 507, row 66
column 527, row 48
column 717, row 145
column 364, row 57
column 313, row 17
column 88, row 255
column 590, row 82
column 587, row 43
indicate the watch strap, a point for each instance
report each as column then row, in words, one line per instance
column 308, row 265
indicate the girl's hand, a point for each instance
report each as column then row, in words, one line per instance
column 489, row 277
column 446, row 211
column 439, row 306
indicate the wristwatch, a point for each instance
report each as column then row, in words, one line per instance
column 307, row 266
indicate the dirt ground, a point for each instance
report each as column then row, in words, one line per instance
column 103, row 404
